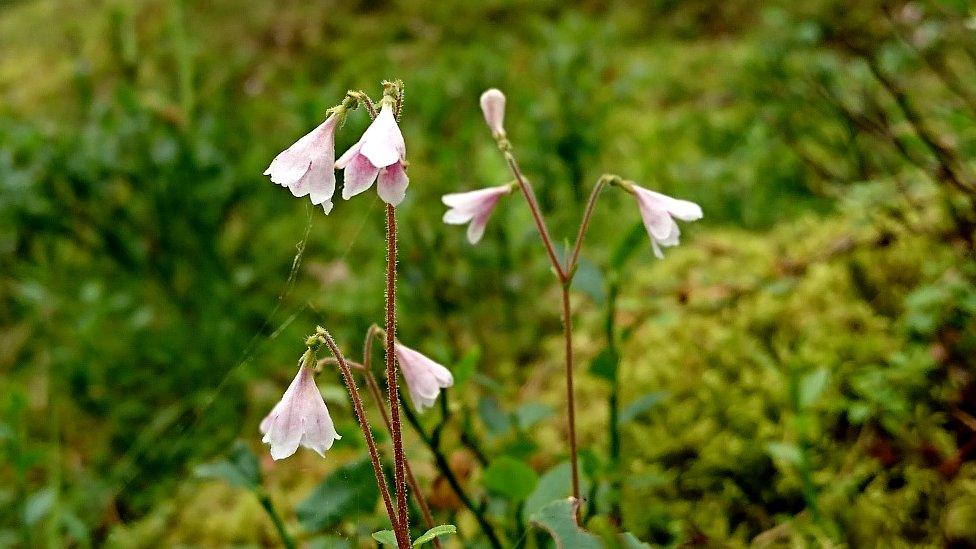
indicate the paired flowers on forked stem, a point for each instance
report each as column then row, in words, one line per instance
column 302, row 418
column 307, row 168
column 657, row 211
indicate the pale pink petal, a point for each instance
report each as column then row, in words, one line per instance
column 474, row 206
column 477, row 228
column 684, row 210
column 424, row 377
column 658, row 211
column 656, row 219
column 493, row 107
column 657, row 249
column 359, row 176
column 382, row 142
column 392, row 184
column 300, row 418
column 307, row 167
column 457, row 217
column 347, row 156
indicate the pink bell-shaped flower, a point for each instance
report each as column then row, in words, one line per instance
column 378, row 156
column 300, row 418
column 493, row 107
column 307, row 168
column 659, row 212
column 474, row 207
column 424, row 377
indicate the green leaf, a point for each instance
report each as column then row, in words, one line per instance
column 349, row 491
column 509, row 477
column 790, row 453
column 630, row 244
column 466, row 366
column 559, row 519
column 589, row 280
column 604, row 365
column 493, row 416
column 240, row 469
column 812, row 386
column 630, row 541
column 531, row 413
column 554, row 484
column 429, row 535
column 386, row 537
column 641, row 406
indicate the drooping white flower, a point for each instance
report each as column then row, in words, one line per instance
column 378, row 155
column 307, row 168
column 659, row 212
column 493, row 107
column 424, row 377
column 300, row 418
column 474, row 207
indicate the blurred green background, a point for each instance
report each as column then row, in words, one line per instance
column 799, row 371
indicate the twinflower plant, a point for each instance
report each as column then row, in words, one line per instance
column 301, row 418
column 657, row 211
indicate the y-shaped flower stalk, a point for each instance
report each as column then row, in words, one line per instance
column 374, row 390
column 564, row 273
column 322, row 336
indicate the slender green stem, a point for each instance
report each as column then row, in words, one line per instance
column 279, row 524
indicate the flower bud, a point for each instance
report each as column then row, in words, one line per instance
column 493, row 106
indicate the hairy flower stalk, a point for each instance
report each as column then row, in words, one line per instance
column 399, row 527
column 301, row 417
column 377, row 395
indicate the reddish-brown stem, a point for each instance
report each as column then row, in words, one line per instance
column 393, row 392
column 585, row 224
column 374, row 455
column 540, row 223
column 565, row 276
column 374, row 390
column 570, row 399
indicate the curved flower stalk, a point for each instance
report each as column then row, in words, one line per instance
column 425, row 378
column 379, row 155
column 474, row 207
column 307, row 168
column 659, row 211
column 300, row 418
